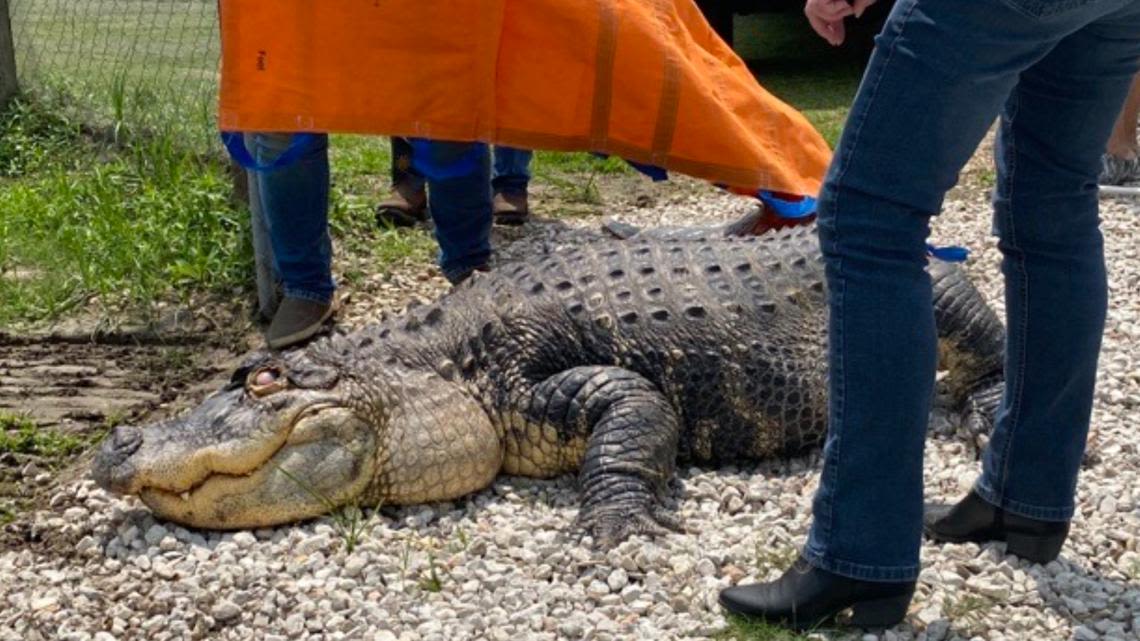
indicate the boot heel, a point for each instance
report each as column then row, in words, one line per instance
column 880, row 613
column 1038, row 549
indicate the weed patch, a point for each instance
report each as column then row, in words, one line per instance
column 19, row 435
column 741, row 629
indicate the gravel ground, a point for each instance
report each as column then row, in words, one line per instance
column 502, row 564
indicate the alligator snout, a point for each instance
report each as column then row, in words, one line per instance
column 123, row 441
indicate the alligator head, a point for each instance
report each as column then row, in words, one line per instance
column 279, row 443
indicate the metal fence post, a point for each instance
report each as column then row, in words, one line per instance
column 8, row 81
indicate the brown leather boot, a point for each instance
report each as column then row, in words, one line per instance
column 510, row 208
column 406, row 206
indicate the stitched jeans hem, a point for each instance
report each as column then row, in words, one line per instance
column 858, row 571
column 985, row 490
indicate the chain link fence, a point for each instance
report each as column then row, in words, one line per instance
column 146, row 65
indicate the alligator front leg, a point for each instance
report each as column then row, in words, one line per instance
column 630, row 434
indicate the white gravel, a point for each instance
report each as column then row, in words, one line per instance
column 502, row 565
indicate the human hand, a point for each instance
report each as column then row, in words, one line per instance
column 826, row 17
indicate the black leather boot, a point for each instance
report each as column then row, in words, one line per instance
column 975, row 520
column 805, row 596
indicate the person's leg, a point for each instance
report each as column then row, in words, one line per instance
column 295, row 202
column 934, row 86
column 406, row 203
column 1046, row 212
column 461, row 208
column 512, row 170
column 936, row 82
column 1121, row 162
column 509, row 183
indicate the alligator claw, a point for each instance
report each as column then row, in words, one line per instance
column 611, row 527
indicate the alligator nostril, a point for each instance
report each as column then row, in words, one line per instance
column 125, row 439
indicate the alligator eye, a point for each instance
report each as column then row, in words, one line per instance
column 264, row 381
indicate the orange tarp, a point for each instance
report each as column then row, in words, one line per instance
column 646, row 80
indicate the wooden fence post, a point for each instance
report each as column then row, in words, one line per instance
column 8, row 83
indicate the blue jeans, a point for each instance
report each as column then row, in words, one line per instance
column 1056, row 71
column 511, row 168
column 295, row 203
column 461, row 209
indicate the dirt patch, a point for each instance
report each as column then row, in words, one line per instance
column 76, row 391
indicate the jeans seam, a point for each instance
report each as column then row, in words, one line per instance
column 859, row 571
column 1027, row 510
column 306, row 295
column 1016, row 394
column 826, row 522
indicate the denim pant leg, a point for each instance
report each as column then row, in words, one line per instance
column 512, row 170
column 937, row 80
column 295, row 201
column 1046, row 212
column 461, row 208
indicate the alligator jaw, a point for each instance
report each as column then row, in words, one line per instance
column 328, row 461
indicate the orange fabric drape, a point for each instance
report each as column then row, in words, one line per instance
column 646, row 80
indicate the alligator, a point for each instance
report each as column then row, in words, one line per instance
column 612, row 358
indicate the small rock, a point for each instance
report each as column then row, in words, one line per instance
column 155, row 534
column 929, row 614
column 244, row 540
column 630, row 593
column 225, row 611
column 597, row 589
column 295, row 625
column 1076, row 606
column 1085, row 633
column 87, row 546
column 617, row 580
column 990, row 587
column 705, row 567
column 937, row 630
column 681, row 566
column 75, row 514
column 354, row 565
column 313, row 543
column 571, row 629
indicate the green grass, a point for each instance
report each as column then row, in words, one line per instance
column 108, row 226
column 19, row 435
column 741, row 629
column 7, row 513
column 744, row 630
column 149, row 63
column 433, row 582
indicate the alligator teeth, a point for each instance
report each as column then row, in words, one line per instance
column 185, row 496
